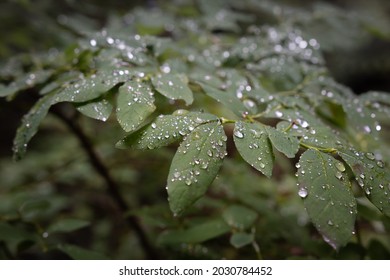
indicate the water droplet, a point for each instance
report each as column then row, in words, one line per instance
column 45, row 234
column 380, row 164
column 92, row 42
column 297, row 165
column 381, row 186
column 370, row 156
column 302, row 192
column 204, row 165
column 338, row 175
column 188, row 181
column 262, row 165
column 278, row 114
column 153, row 125
column 340, row 166
column 209, row 153
column 176, row 174
column 330, row 223
column 368, row 191
column 238, row 134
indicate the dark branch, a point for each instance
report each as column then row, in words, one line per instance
column 112, row 186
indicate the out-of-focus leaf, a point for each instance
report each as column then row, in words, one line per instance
column 241, row 239
column 67, row 225
column 239, row 217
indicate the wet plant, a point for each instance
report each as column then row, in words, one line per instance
column 218, row 85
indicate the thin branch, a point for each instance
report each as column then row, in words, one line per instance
column 112, row 186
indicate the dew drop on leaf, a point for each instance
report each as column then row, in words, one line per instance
column 238, row 134
column 370, row 156
column 340, row 166
column 302, row 192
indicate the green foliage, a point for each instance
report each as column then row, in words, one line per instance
column 195, row 78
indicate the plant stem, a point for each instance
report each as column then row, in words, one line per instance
column 112, row 186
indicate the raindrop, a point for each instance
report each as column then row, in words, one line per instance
column 302, row 192
column 153, row 125
column 209, row 153
column 176, row 174
column 278, row 114
column 238, row 134
column 367, row 190
column 339, row 175
column 297, row 165
column 367, row 129
column 188, row 181
column 370, row 156
column 380, row 164
column 92, row 42
column 340, row 166
column 330, row 223
column 262, row 165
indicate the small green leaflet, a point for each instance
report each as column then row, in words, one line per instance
column 284, row 143
column 165, row 129
column 30, row 123
column 252, row 143
column 227, row 98
column 173, row 86
column 327, row 196
column 98, row 110
column 372, row 176
column 94, row 86
column 134, row 104
column 195, row 165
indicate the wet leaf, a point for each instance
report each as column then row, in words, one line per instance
column 283, row 142
column 134, row 104
column 239, row 217
column 372, row 176
column 99, row 110
column 94, row 86
column 173, row 86
column 252, row 143
column 225, row 97
column 195, row 165
column 30, row 124
column 165, row 129
column 327, row 196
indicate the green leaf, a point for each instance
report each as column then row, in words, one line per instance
column 173, row 86
column 26, row 81
column 239, row 217
column 252, row 143
column 9, row 233
column 94, row 86
column 284, row 143
column 227, row 98
column 134, row 104
column 30, row 124
column 165, row 129
column 99, row 110
column 241, row 239
column 327, row 196
column 372, row 176
column 195, row 234
column 67, row 225
column 78, row 253
column 195, row 165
